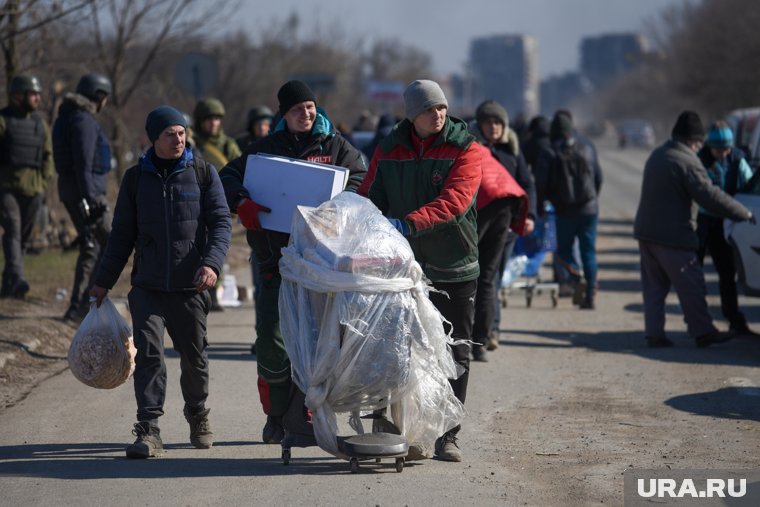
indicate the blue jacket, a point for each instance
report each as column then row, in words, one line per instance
column 80, row 150
column 173, row 225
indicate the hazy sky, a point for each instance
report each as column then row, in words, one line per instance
column 443, row 28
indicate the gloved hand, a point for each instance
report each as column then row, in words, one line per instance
column 400, row 225
column 752, row 219
column 248, row 211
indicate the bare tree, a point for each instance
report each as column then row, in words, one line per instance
column 128, row 35
column 21, row 20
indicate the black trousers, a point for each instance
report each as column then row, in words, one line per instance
column 459, row 309
column 710, row 233
column 92, row 244
column 493, row 233
column 17, row 216
column 183, row 316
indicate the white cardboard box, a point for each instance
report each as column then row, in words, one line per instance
column 282, row 183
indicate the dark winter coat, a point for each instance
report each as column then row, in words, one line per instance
column 80, row 149
column 323, row 144
column 174, row 226
column 507, row 152
column 674, row 183
column 543, row 169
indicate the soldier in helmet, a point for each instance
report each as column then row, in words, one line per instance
column 259, row 122
column 82, row 159
column 216, row 146
column 26, row 167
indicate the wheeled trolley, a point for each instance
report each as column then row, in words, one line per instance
column 377, row 446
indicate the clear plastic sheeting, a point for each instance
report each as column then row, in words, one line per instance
column 359, row 328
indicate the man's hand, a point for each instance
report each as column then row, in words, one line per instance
column 205, row 278
column 99, row 293
column 248, row 211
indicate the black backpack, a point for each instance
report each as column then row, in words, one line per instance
column 571, row 180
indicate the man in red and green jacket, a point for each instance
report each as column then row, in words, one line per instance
column 424, row 176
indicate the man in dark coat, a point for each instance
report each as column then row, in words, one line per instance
column 305, row 133
column 82, row 159
column 172, row 213
column 665, row 226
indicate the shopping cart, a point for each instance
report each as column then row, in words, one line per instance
column 524, row 266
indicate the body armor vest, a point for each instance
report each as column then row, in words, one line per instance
column 24, row 139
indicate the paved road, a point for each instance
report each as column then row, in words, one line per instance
column 569, row 401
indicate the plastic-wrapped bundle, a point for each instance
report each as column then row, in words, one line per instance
column 358, row 326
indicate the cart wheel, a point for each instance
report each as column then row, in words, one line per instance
column 354, row 463
column 286, row 456
column 399, row 465
column 554, row 299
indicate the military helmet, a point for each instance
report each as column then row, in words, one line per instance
column 90, row 85
column 24, row 83
column 208, row 107
column 259, row 113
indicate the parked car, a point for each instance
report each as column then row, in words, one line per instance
column 745, row 239
column 635, row 132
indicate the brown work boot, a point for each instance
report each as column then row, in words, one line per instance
column 446, row 448
column 148, row 443
column 493, row 341
column 200, row 429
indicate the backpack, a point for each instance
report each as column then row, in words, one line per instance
column 571, row 180
column 202, row 175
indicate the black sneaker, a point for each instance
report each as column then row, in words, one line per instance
column 446, row 448
column 479, row 353
column 273, row 432
column 200, row 430
column 19, row 289
column 148, row 443
column 658, row 342
column 743, row 331
column 712, row 338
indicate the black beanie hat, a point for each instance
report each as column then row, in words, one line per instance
column 561, row 127
column 688, row 127
column 292, row 93
column 160, row 118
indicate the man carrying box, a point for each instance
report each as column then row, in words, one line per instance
column 304, row 133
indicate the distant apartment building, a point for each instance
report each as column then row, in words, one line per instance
column 505, row 68
column 605, row 57
column 559, row 92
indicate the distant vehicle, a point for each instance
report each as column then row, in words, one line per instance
column 744, row 122
column 635, row 132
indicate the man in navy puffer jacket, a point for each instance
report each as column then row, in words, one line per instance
column 172, row 212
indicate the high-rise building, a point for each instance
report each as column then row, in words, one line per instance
column 505, row 68
column 606, row 57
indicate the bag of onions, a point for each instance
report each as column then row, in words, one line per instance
column 102, row 352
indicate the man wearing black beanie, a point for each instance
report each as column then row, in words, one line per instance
column 673, row 180
column 174, row 203
column 304, row 132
